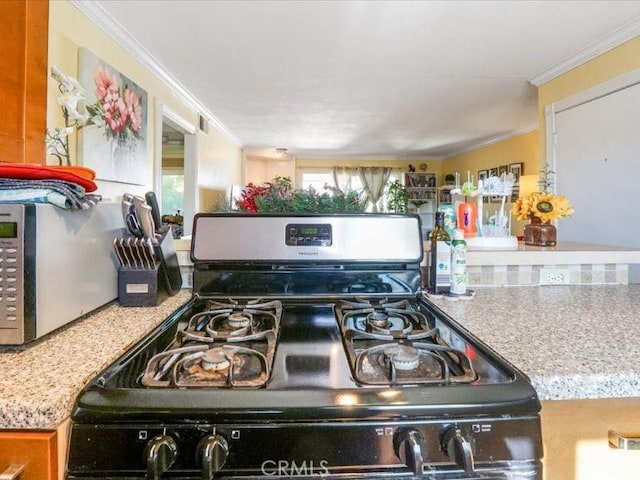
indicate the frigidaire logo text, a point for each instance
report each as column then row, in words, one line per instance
column 309, row 254
column 291, row 468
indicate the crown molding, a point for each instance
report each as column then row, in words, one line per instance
column 492, row 140
column 94, row 11
column 591, row 51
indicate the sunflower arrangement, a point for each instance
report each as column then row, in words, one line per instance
column 545, row 206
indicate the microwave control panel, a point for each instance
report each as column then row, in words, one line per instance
column 14, row 262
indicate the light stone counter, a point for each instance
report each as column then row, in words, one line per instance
column 572, row 341
column 40, row 381
column 564, row 253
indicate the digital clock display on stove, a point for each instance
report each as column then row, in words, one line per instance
column 308, row 235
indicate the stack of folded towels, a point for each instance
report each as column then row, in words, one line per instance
column 64, row 187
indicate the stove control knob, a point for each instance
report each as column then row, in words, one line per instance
column 457, row 446
column 409, row 446
column 161, row 452
column 212, row 452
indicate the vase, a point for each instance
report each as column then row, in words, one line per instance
column 539, row 234
column 121, row 151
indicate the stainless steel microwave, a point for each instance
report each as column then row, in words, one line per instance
column 55, row 266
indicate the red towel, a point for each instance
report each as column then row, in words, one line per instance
column 29, row 171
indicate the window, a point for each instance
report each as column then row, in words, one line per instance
column 319, row 177
column 172, row 192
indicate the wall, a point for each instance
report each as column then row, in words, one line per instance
column 260, row 169
column 521, row 148
column 611, row 64
column 219, row 167
column 218, row 158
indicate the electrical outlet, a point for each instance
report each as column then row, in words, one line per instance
column 554, row 276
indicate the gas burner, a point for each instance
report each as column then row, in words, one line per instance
column 239, row 319
column 214, row 359
column 226, row 345
column 378, row 321
column 402, row 357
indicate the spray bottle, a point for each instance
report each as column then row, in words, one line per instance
column 458, row 264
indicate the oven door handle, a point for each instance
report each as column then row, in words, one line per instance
column 623, row 442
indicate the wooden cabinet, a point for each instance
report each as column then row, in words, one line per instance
column 575, row 435
column 37, row 451
column 23, row 83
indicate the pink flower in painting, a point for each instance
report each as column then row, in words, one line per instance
column 106, row 82
column 119, row 110
column 134, row 108
column 116, row 114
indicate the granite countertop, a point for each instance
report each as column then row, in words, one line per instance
column 572, row 341
column 40, row 381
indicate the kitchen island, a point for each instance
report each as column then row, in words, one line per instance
column 578, row 264
column 578, row 344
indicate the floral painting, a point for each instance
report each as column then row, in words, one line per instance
column 114, row 140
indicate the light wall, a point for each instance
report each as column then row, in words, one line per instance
column 611, row 64
column 219, row 159
column 521, row 148
column 262, row 169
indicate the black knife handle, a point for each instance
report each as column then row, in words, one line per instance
column 152, row 201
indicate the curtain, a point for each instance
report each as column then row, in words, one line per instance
column 374, row 180
column 342, row 178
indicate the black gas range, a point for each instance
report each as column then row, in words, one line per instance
column 307, row 350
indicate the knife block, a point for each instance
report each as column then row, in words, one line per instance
column 138, row 287
column 147, row 287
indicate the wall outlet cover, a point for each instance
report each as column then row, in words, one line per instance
column 554, row 276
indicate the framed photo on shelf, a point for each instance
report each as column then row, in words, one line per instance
column 515, row 193
column 492, row 172
column 503, row 169
column 483, row 174
column 516, row 169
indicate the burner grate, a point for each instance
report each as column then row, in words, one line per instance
column 392, row 343
column 228, row 345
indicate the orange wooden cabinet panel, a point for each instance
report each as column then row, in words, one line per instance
column 23, row 83
column 37, row 451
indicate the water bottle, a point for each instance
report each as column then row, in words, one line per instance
column 458, row 264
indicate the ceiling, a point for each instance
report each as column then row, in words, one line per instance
column 368, row 78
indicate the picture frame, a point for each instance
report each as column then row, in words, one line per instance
column 503, row 169
column 483, row 174
column 515, row 193
column 492, row 172
column 517, row 170
column 116, row 147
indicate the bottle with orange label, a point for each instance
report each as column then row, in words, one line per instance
column 468, row 219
